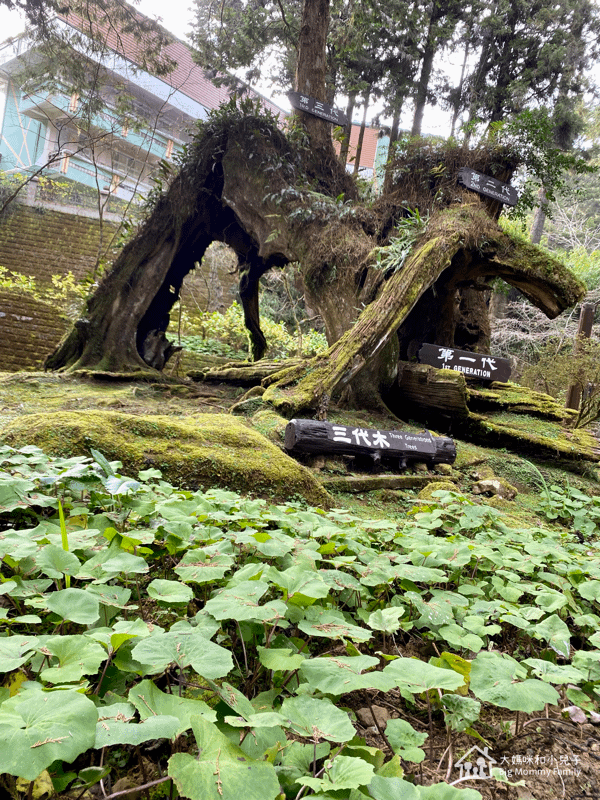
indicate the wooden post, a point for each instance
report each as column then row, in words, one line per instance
column 586, row 320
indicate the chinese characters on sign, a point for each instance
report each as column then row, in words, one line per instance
column 472, row 365
column 392, row 447
column 478, row 764
column 380, row 440
column 490, row 187
column 302, row 102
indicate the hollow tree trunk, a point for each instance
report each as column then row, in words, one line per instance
column 308, row 387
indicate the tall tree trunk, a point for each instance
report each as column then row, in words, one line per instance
column 423, row 83
column 311, row 69
column 459, row 91
column 361, row 135
column 539, row 218
column 387, row 181
column 345, row 147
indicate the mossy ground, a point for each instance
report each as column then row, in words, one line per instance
column 184, row 430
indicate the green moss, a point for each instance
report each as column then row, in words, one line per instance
column 520, row 400
column 527, row 434
column 435, row 486
column 269, row 424
column 199, row 450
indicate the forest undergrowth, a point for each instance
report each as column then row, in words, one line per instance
column 211, row 646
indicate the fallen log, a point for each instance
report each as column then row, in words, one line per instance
column 313, row 436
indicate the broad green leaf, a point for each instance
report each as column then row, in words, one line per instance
column 280, row 659
column 341, row 675
column 37, row 728
column 382, row 788
column 150, row 701
column 183, row 648
column 301, row 756
column 435, row 611
column 460, row 712
column 338, row 579
column 405, row 740
column 268, row 719
column 241, row 602
column 556, row 633
column 459, row 637
column 344, row 772
column 550, row 600
column 495, row 679
column 589, row 590
column 77, row 656
column 116, row 485
column 221, row 771
column 478, row 625
column 319, row 621
column 55, row 562
column 299, row 581
column 233, row 698
column 588, row 661
column 15, row 650
column 125, row 563
column 170, row 592
column 317, row 719
column 418, row 676
column 115, row 596
column 554, row 673
column 76, row 605
column 386, row 619
column 420, row 574
column 115, row 727
column 198, row 566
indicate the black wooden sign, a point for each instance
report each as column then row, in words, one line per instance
column 318, row 109
column 314, row 436
column 473, row 365
column 490, row 187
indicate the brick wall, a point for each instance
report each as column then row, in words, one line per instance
column 29, row 331
column 40, row 242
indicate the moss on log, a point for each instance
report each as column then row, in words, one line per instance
column 201, row 450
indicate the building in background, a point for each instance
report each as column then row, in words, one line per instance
column 113, row 151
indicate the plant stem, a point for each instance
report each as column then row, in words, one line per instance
column 430, row 726
column 138, row 788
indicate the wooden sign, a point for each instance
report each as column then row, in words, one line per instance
column 313, row 436
column 302, row 102
column 473, row 365
column 490, row 187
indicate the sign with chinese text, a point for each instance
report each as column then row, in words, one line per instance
column 302, row 102
column 472, row 365
column 490, row 187
column 392, row 447
column 382, row 440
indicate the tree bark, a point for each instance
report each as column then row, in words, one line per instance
column 361, row 135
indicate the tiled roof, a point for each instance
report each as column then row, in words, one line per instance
column 187, row 76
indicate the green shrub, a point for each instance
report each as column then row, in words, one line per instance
column 225, row 334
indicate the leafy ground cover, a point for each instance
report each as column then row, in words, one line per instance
column 207, row 645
